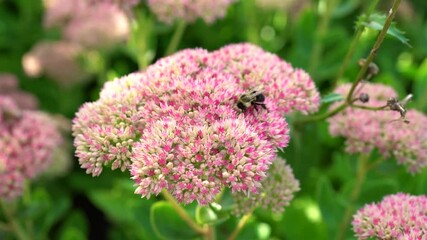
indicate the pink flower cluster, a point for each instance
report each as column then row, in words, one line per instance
column 85, row 24
column 176, row 126
column 27, row 140
column 99, row 26
column 58, row 60
column 293, row 89
column 123, row 4
column 365, row 130
column 399, row 216
column 277, row 191
column 91, row 24
column 170, row 10
column 9, row 88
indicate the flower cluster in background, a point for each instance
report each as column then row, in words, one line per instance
column 277, row 191
column 176, row 126
column 9, row 88
column 30, row 140
column 365, row 130
column 55, row 59
column 171, row 10
column 80, row 19
column 99, row 26
column 27, row 141
column 85, row 25
column 399, row 216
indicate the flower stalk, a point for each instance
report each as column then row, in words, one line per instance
column 13, row 225
column 240, row 226
column 349, row 98
column 362, row 169
column 183, row 214
column 354, row 43
column 374, row 50
column 176, row 38
column 329, row 6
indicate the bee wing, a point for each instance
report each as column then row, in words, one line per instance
column 405, row 101
column 257, row 89
column 253, row 92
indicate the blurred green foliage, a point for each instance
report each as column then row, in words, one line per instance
column 325, row 172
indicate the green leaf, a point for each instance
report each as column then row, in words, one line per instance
column 74, row 227
column 255, row 230
column 332, row 97
column 168, row 224
column 345, row 8
column 421, row 184
column 57, row 210
column 302, row 214
column 328, row 201
column 375, row 189
column 212, row 215
column 72, row 233
column 420, row 86
column 125, row 209
column 205, row 215
column 376, row 22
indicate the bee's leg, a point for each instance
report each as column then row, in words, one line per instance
column 255, row 106
column 260, row 104
column 263, row 106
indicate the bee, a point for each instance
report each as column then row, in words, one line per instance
column 253, row 97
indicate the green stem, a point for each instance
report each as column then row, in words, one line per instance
column 176, row 38
column 369, row 107
column 142, row 39
column 183, row 214
column 240, row 226
column 362, row 169
column 354, row 43
column 210, row 233
column 13, row 223
column 320, row 33
column 374, row 49
column 323, row 116
column 349, row 99
column 26, row 198
column 375, row 163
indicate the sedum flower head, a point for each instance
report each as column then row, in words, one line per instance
column 59, row 12
column 176, row 126
column 293, row 89
column 124, row 4
column 58, row 60
column 9, row 88
column 27, row 140
column 99, row 26
column 399, row 216
column 365, row 130
column 169, row 11
column 276, row 193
